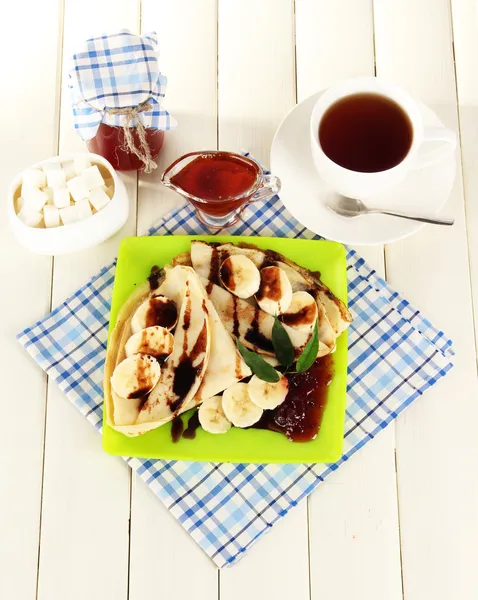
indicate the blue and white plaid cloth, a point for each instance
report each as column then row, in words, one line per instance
column 117, row 71
column 395, row 355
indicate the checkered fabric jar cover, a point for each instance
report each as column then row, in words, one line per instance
column 117, row 71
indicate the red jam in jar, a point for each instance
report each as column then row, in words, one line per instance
column 110, row 144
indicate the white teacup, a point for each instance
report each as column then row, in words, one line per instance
column 361, row 185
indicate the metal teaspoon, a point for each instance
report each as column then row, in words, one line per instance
column 350, row 207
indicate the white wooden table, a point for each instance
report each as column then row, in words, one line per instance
column 398, row 521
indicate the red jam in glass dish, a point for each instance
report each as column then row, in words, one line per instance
column 219, row 184
column 110, row 144
column 222, row 180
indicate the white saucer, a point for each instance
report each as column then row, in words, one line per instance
column 303, row 193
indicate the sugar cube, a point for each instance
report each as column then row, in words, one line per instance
column 51, row 166
column 33, row 178
column 61, row 197
column 30, row 217
column 98, row 198
column 81, row 162
column 69, row 168
column 78, row 188
column 51, row 216
column 34, row 198
column 69, row 214
column 110, row 190
column 49, row 192
column 92, row 178
column 56, row 178
column 84, row 209
column 19, row 203
column 26, row 188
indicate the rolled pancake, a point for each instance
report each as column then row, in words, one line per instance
column 224, row 368
column 251, row 325
column 121, row 412
column 192, row 343
column 206, row 258
column 183, row 372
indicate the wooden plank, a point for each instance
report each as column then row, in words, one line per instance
column 465, row 20
column 188, row 57
column 354, row 527
column 276, row 567
column 353, row 517
column 160, row 549
column 187, row 36
column 333, row 43
column 437, row 448
column 29, row 134
column 256, row 79
column 256, row 90
column 86, row 499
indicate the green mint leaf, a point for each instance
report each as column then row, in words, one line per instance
column 282, row 345
column 308, row 356
column 258, row 365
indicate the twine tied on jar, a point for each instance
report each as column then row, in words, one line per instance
column 143, row 152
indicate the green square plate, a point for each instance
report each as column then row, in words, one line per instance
column 136, row 257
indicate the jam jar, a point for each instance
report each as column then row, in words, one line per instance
column 117, row 90
column 109, row 142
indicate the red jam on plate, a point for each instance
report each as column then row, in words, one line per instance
column 300, row 415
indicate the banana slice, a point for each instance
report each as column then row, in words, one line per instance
column 211, row 416
column 135, row 376
column 302, row 312
column 156, row 341
column 157, row 310
column 275, row 292
column 240, row 276
column 267, row 395
column 238, row 407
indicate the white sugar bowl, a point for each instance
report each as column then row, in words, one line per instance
column 89, row 221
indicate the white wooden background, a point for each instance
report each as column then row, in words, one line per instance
column 398, row 521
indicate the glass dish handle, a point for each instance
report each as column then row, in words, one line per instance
column 270, row 187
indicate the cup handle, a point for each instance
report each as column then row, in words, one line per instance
column 270, row 187
column 444, row 150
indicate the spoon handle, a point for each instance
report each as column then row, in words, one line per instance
column 434, row 221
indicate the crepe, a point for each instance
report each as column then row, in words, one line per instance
column 201, row 342
column 206, row 258
column 334, row 317
column 251, row 325
column 226, row 365
column 122, row 413
column 184, row 370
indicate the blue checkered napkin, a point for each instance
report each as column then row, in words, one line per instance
column 395, row 355
column 117, row 71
